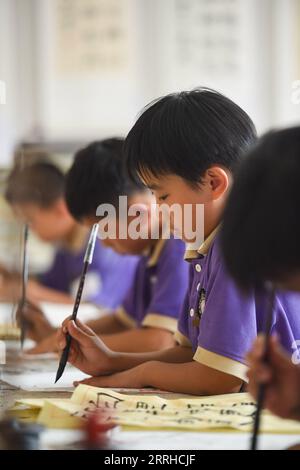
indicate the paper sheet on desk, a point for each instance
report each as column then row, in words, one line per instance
column 39, row 374
column 232, row 412
column 43, row 380
column 57, row 313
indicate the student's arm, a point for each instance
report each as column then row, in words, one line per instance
column 54, row 284
column 190, row 378
column 10, row 285
column 38, row 327
column 107, row 325
column 160, row 320
column 172, row 370
column 139, row 339
column 280, row 377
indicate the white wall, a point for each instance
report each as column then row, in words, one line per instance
column 286, row 54
column 17, row 59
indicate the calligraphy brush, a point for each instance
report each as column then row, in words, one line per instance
column 22, row 303
column 88, row 258
column 262, row 388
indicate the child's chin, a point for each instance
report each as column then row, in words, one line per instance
column 180, row 236
column 177, row 233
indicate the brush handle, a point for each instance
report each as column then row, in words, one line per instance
column 262, row 388
column 23, row 321
column 88, row 258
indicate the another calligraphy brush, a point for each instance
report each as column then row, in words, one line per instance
column 262, row 388
column 87, row 261
column 22, row 303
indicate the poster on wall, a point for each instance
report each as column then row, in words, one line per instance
column 91, row 36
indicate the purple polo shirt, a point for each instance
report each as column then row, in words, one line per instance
column 108, row 279
column 160, row 285
column 220, row 323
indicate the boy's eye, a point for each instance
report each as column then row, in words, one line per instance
column 163, row 198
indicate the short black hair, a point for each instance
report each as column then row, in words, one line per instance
column 186, row 133
column 260, row 235
column 41, row 183
column 98, row 176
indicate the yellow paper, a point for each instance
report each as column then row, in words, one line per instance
column 9, row 332
column 39, row 402
column 231, row 412
column 62, row 415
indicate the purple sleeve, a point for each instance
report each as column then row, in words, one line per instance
column 132, row 300
column 116, row 274
column 183, row 315
column 229, row 323
column 114, row 285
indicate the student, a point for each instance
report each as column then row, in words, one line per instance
column 186, row 147
column 147, row 318
column 36, row 195
column 263, row 215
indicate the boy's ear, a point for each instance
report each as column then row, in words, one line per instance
column 138, row 209
column 218, row 180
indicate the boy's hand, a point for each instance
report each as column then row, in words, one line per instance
column 88, row 353
column 47, row 345
column 38, row 327
column 280, row 376
column 4, row 272
column 9, row 285
column 132, row 378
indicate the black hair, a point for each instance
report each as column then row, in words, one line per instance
column 40, row 183
column 98, row 176
column 186, row 133
column 260, row 236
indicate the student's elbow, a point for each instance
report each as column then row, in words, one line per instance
column 222, row 389
column 159, row 339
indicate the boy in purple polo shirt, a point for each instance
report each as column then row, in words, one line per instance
column 186, row 148
column 36, row 195
column 271, row 254
column 106, row 271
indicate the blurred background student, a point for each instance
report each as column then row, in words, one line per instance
column 147, row 318
column 36, row 195
column 73, row 72
column 261, row 227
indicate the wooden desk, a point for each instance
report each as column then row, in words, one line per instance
column 130, row 440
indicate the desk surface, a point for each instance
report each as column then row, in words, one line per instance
column 135, row 440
